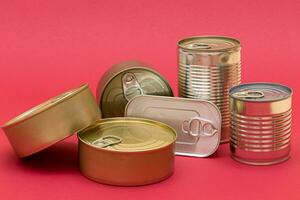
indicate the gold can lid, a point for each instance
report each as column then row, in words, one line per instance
column 128, row 134
column 209, row 43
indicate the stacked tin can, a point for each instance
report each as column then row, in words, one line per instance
column 208, row 67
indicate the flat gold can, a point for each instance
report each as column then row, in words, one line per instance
column 127, row 151
column 52, row 121
column 125, row 80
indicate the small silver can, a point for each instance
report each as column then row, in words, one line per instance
column 208, row 66
column 261, row 117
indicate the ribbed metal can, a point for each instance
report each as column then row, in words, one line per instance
column 261, row 117
column 208, row 67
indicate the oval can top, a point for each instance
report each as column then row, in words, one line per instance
column 260, row 92
column 127, row 135
column 209, row 43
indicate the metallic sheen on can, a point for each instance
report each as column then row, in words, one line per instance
column 52, row 121
column 126, row 80
column 127, row 151
column 208, row 66
column 197, row 122
column 261, row 117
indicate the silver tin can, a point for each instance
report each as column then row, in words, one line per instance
column 197, row 122
column 261, row 117
column 208, row 67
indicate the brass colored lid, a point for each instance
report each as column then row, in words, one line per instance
column 209, row 43
column 127, row 134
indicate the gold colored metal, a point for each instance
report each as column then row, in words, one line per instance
column 260, row 125
column 52, row 121
column 126, row 80
column 208, row 66
column 131, row 151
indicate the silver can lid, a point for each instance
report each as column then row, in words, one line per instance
column 197, row 122
column 209, row 43
column 260, row 92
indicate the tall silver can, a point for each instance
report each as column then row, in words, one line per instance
column 208, row 67
column 261, row 118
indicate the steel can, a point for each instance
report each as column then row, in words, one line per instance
column 208, row 67
column 52, row 121
column 197, row 122
column 126, row 80
column 127, row 151
column 261, row 116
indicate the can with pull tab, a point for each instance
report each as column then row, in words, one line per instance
column 126, row 80
column 261, row 117
column 208, row 66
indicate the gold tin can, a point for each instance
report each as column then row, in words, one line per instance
column 52, row 121
column 127, row 151
column 197, row 122
column 208, row 67
column 126, row 80
column 261, row 117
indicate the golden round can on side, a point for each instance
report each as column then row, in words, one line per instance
column 126, row 80
column 127, row 151
column 208, row 66
column 52, row 121
column 261, row 121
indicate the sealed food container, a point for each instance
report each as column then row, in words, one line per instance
column 126, row 80
column 261, row 117
column 208, row 67
column 52, row 121
column 127, row 151
column 197, row 122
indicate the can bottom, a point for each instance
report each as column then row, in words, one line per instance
column 115, row 183
column 225, row 135
column 260, row 163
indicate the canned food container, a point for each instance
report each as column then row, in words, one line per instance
column 261, row 117
column 126, row 80
column 52, row 121
column 197, row 122
column 208, row 67
column 127, row 151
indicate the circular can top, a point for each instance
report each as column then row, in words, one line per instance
column 209, row 43
column 127, row 135
column 260, row 92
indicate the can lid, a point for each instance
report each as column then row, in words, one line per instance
column 260, row 92
column 127, row 134
column 209, row 43
column 197, row 122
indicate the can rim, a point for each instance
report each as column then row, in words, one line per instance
column 290, row 92
column 238, row 43
column 172, row 130
column 109, row 75
column 44, row 106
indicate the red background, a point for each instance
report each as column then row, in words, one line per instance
column 47, row 47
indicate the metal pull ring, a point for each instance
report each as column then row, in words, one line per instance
column 198, row 126
column 201, row 46
column 250, row 94
column 108, row 140
column 131, row 86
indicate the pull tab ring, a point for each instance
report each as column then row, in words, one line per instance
column 250, row 94
column 108, row 140
column 130, row 85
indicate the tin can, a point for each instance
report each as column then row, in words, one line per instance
column 127, row 151
column 197, row 122
column 52, row 121
column 208, row 67
column 126, row 80
column 261, row 116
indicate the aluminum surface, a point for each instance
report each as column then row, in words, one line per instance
column 197, row 122
column 52, row 121
column 261, row 117
column 127, row 151
column 126, row 80
column 208, row 67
